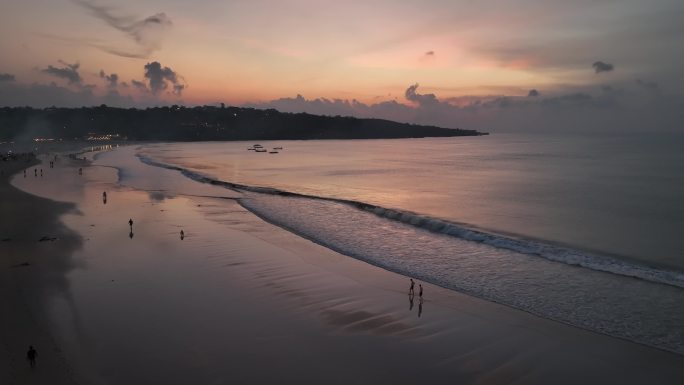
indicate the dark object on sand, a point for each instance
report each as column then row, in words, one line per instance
column 182, row 235
column 46, row 238
column 31, row 356
column 23, row 264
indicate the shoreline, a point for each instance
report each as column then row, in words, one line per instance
column 30, row 270
column 332, row 303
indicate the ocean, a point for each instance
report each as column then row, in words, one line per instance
column 581, row 229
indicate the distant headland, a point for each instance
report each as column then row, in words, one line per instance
column 203, row 123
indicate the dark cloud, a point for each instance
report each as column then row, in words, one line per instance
column 147, row 33
column 6, row 77
column 139, row 85
column 533, row 92
column 112, row 79
column 68, row 72
column 422, row 99
column 600, row 66
column 615, row 108
column 46, row 95
column 160, row 77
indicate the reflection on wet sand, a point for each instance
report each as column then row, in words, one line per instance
column 364, row 321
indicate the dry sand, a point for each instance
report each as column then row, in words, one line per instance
column 242, row 301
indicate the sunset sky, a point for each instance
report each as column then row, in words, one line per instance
column 473, row 61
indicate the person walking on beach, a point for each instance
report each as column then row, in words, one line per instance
column 31, row 356
column 420, row 291
column 130, row 223
column 412, row 285
column 182, row 234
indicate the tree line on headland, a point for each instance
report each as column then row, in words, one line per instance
column 203, row 123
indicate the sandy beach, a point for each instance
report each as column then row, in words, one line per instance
column 31, row 270
column 239, row 300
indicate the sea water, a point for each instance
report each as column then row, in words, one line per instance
column 583, row 229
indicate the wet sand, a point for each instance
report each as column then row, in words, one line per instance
column 239, row 300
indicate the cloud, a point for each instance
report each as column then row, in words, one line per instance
column 600, row 66
column 160, row 77
column 620, row 107
column 68, row 72
column 147, row 33
column 112, row 79
column 178, row 88
column 46, row 95
column 533, row 92
column 6, row 77
column 422, row 99
column 139, row 85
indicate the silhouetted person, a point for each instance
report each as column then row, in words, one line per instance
column 31, row 356
column 412, row 285
column 182, row 235
column 420, row 291
column 35, row 172
column 420, row 307
column 410, row 302
column 130, row 222
column 104, row 197
column 41, row 172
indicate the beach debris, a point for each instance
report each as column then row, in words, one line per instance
column 45, row 238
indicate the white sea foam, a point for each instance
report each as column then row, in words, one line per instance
column 525, row 246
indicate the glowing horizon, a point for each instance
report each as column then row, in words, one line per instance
column 255, row 52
